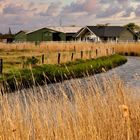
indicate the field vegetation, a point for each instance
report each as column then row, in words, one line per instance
column 15, row 55
column 57, row 73
column 74, row 111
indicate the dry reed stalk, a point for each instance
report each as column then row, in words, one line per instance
column 76, row 109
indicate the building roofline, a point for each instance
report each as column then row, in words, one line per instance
column 49, row 28
column 21, row 31
column 131, row 31
column 81, row 31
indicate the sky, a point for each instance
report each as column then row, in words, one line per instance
column 32, row 14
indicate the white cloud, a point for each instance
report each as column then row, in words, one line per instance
column 23, row 14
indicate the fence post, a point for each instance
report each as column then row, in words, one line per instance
column 1, row 66
column 74, row 49
column 90, row 54
column 43, row 58
column 96, row 52
column 23, row 63
column 59, row 56
column 81, row 54
column 113, row 51
column 72, row 55
column 107, row 53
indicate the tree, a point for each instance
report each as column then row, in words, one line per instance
column 132, row 26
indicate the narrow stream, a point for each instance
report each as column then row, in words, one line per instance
column 129, row 72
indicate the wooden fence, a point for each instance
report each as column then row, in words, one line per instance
column 59, row 58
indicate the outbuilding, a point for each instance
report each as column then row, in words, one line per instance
column 67, row 31
column 52, row 34
column 7, row 38
column 43, row 34
column 21, row 36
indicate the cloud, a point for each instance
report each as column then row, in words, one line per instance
column 52, row 10
column 137, row 11
column 22, row 14
column 111, row 10
column 14, row 9
column 87, row 6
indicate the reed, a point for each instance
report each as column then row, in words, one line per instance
column 86, row 110
column 13, row 54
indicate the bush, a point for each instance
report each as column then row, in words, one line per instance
column 32, row 61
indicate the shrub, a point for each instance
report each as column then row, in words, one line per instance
column 32, row 61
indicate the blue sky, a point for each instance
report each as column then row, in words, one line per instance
column 32, row 14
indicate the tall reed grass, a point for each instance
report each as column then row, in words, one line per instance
column 14, row 55
column 75, row 110
column 47, row 47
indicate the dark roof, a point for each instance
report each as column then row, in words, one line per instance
column 24, row 31
column 7, row 36
column 139, row 35
column 39, row 30
column 78, row 32
column 106, row 31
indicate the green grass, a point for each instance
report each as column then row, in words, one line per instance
column 57, row 73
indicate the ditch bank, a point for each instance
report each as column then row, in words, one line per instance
column 48, row 74
column 129, row 54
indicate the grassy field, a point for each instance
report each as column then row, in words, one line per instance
column 88, row 111
column 77, row 111
column 46, row 74
column 14, row 55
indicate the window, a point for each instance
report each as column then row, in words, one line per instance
column 47, row 34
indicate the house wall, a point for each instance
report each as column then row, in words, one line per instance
column 126, row 36
column 44, row 35
column 69, row 36
column 21, row 37
column 40, row 35
column 62, row 36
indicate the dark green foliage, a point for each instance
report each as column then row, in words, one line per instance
column 58, row 73
column 132, row 26
column 32, row 61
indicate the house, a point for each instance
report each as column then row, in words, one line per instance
column 138, row 35
column 106, row 34
column 21, row 36
column 69, row 32
column 44, row 34
column 7, row 38
column 52, row 34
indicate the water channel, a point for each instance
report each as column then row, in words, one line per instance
column 129, row 73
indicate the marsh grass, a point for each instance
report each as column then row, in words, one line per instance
column 47, row 74
column 12, row 54
column 76, row 109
